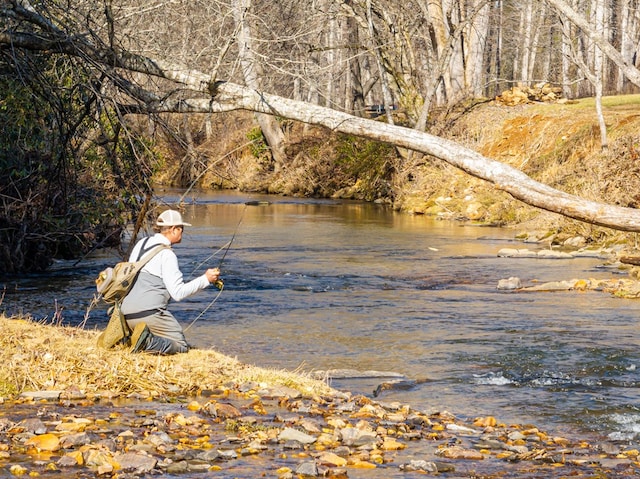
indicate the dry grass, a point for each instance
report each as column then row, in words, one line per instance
column 556, row 144
column 38, row 357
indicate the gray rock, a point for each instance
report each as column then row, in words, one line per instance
column 209, row 455
column 138, row 463
column 292, row 445
column 245, row 387
column 38, row 395
column 444, row 466
column 278, row 392
column 310, row 425
column 67, row 461
column 74, row 440
column 489, row 444
column 291, row 434
column 228, row 454
column 307, row 468
column 198, row 466
column 178, row 467
column 419, row 465
column 355, row 374
column 516, row 436
column 209, row 409
column 609, row 448
column 547, row 253
column 108, row 443
column 418, row 420
column 575, row 242
column 516, row 253
column 34, row 425
column 342, row 451
column 510, row 284
column 458, row 428
column 347, row 407
column 352, row 436
column 590, row 253
column 553, row 286
column 159, row 439
column 516, row 449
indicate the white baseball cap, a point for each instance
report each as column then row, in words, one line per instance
column 171, row 218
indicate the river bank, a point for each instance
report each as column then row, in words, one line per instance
column 71, row 409
column 555, row 143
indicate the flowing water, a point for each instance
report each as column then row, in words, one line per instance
column 321, row 284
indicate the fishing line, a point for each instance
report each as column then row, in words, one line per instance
column 226, row 245
column 219, row 283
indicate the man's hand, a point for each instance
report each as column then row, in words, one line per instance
column 212, row 274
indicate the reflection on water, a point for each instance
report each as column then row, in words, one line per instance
column 324, row 284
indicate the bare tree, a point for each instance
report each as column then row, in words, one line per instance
column 598, row 66
column 629, row 37
column 252, row 72
column 228, row 96
column 625, row 65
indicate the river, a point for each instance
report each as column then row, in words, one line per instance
column 322, row 284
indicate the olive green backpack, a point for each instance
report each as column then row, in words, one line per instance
column 113, row 284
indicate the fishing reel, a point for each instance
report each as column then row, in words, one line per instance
column 219, row 284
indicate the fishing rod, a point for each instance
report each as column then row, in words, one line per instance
column 219, row 283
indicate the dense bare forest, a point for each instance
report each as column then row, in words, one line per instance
column 94, row 95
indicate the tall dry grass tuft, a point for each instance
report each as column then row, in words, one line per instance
column 37, row 357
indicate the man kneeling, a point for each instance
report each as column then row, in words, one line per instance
column 155, row 329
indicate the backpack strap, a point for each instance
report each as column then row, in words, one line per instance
column 158, row 248
column 144, row 251
column 126, row 330
column 142, row 262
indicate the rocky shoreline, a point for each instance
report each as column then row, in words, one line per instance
column 257, row 430
column 624, row 287
column 246, row 429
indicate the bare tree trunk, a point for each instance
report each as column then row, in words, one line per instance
column 539, row 13
column 527, row 35
column 595, row 76
column 354, row 92
column 252, row 73
column 629, row 37
column 442, row 40
column 188, row 168
column 377, row 55
column 598, row 67
column 567, row 27
column 439, row 72
column 476, row 33
column 492, row 64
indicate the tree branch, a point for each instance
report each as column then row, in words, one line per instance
column 231, row 96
